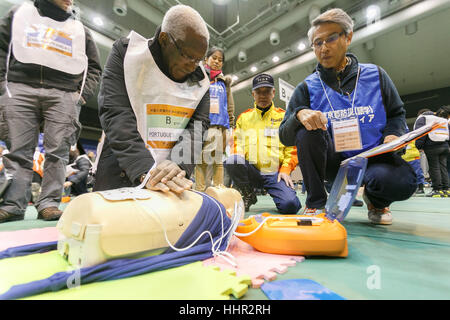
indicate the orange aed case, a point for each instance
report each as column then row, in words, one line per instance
column 294, row 235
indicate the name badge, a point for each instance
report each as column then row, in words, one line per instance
column 214, row 105
column 270, row 132
column 346, row 135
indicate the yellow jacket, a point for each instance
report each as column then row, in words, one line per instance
column 256, row 139
column 412, row 153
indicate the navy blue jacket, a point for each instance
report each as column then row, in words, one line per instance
column 344, row 83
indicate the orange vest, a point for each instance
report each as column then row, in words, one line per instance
column 38, row 161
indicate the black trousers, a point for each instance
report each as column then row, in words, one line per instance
column 437, row 163
column 388, row 177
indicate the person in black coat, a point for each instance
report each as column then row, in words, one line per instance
column 437, row 153
column 78, row 170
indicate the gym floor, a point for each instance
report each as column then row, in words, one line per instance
column 409, row 259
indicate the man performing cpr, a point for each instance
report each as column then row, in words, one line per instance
column 153, row 94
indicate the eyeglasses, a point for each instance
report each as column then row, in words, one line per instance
column 332, row 38
column 182, row 54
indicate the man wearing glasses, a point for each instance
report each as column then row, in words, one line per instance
column 153, row 94
column 341, row 110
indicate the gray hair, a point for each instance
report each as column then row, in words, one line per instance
column 178, row 17
column 335, row 15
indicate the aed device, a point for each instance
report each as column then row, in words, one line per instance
column 294, row 235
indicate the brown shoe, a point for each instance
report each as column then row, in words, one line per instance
column 5, row 216
column 50, row 214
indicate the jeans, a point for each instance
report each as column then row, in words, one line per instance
column 243, row 173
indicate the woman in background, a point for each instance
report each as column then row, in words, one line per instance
column 221, row 115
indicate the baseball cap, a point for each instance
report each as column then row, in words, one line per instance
column 263, row 80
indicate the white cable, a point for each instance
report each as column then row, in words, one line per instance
column 318, row 220
column 214, row 247
column 233, row 225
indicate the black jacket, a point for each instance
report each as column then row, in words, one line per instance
column 40, row 76
column 82, row 164
column 344, row 83
column 124, row 157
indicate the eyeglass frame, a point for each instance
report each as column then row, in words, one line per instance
column 182, row 54
column 327, row 40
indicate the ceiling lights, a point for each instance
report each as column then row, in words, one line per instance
column 373, row 14
column 221, row 2
column 301, row 46
column 98, row 21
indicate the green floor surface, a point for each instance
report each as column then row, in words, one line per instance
column 408, row 260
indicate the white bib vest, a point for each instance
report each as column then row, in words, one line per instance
column 44, row 41
column 441, row 133
column 162, row 107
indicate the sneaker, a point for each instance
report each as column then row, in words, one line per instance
column 420, row 189
column 378, row 215
column 357, row 203
column 443, row 193
column 313, row 211
column 5, row 216
column 50, row 214
column 435, row 194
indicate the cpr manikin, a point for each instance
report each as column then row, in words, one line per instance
column 100, row 226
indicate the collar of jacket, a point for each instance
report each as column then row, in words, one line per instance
column 155, row 49
column 52, row 11
column 330, row 77
column 263, row 112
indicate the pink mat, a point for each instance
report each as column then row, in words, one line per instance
column 17, row 238
column 258, row 265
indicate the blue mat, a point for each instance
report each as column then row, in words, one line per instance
column 298, row 289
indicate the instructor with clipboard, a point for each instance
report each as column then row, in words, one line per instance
column 341, row 110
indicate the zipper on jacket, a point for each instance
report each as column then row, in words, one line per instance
column 42, row 80
column 338, row 78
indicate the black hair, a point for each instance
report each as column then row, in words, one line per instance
column 422, row 111
column 215, row 49
column 443, row 112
